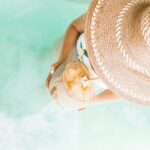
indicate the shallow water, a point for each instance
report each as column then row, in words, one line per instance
column 29, row 120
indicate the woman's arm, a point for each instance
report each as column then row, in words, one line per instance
column 106, row 96
column 71, row 36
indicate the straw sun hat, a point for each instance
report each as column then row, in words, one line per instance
column 118, row 43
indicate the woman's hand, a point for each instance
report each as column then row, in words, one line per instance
column 53, row 67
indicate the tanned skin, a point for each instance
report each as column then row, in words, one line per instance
column 73, row 31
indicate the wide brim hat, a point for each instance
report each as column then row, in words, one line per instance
column 118, row 42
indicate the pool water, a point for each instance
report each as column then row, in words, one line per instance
column 29, row 119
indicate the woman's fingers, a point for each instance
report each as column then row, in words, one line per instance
column 53, row 90
column 81, row 109
column 53, row 69
column 48, row 80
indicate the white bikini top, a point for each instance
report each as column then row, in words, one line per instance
column 83, row 56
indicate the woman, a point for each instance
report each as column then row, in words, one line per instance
column 118, row 49
column 73, row 34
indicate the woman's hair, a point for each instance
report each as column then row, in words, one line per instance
column 73, row 74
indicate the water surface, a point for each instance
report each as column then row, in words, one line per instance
column 29, row 120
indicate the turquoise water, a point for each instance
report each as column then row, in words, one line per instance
column 29, row 119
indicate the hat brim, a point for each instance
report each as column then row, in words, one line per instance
column 105, row 56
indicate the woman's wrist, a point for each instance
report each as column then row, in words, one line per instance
column 60, row 61
column 55, row 66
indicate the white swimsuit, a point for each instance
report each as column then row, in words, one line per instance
column 83, row 56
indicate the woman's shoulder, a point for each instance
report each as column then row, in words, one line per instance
column 79, row 23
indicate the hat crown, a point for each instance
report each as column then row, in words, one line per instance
column 133, row 36
column 145, row 25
